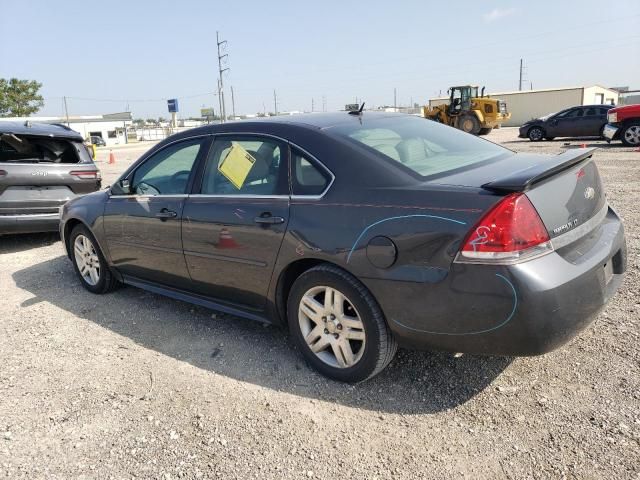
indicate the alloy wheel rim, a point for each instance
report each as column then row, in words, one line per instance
column 536, row 134
column 632, row 135
column 87, row 260
column 331, row 327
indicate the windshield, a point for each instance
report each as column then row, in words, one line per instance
column 424, row 146
column 548, row 115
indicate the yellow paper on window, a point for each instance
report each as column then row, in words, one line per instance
column 236, row 165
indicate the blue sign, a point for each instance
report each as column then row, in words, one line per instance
column 172, row 104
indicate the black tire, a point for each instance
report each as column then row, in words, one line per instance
column 549, row 138
column 106, row 280
column 469, row 123
column 535, row 134
column 630, row 135
column 380, row 346
column 485, row 131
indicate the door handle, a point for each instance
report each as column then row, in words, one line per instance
column 166, row 213
column 267, row 219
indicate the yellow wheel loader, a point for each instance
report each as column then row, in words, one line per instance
column 469, row 112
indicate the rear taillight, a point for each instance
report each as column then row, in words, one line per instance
column 510, row 232
column 3, row 173
column 86, row 174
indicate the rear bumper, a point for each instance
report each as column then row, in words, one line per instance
column 39, row 222
column 525, row 309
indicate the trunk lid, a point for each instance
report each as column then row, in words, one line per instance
column 565, row 189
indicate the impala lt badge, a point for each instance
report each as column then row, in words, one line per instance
column 589, row 193
column 566, row 226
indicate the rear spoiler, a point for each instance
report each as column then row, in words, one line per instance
column 522, row 180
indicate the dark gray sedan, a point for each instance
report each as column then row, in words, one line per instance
column 581, row 121
column 360, row 232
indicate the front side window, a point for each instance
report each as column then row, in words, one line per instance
column 426, row 147
column 167, row 171
column 244, row 166
column 307, row 178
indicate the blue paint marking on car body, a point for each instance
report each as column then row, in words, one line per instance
column 398, row 218
column 478, row 332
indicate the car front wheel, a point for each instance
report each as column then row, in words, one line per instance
column 89, row 263
column 631, row 135
column 338, row 326
column 535, row 134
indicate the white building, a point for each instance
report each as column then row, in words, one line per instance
column 112, row 127
column 527, row 104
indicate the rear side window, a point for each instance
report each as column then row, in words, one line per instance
column 423, row 146
column 307, row 178
column 590, row 112
column 242, row 165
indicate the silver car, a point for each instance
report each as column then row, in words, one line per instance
column 42, row 166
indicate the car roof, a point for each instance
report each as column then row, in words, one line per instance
column 318, row 120
column 40, row 129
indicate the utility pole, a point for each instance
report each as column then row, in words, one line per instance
column 233, row 104
column 311, row 104
column 324, row 103
column 66, row 110
column 395, row 105
column 520, row 82
column 220, row 103
column 223, row 108
column 275, row 102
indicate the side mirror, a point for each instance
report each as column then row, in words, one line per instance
column 122, row 187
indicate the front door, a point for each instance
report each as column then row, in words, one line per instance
column 233, row 227
column 142, row 224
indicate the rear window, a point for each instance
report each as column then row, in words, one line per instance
column 33, row 149
column 424, row 146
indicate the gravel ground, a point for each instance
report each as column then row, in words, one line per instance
column 134, row 385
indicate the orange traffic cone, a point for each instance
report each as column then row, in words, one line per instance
column 226, row 240
column 112, row 157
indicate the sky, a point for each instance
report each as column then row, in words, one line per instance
column 116, row 55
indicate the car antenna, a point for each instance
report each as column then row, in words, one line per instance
column 357, row 112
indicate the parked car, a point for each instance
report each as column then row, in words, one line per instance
column 360, row 232
column 42, row 166
column 98, row 141
column 582, row 121
column 624, row 125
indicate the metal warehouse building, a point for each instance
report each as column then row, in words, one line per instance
column 527, row 104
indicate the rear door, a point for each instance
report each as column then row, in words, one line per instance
column 591, row 122
column 234, row 224
column 142, row 225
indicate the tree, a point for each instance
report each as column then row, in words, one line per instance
column 19, row 98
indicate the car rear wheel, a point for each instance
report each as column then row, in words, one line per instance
column 89, row 263
column 338, row 326
column 535, row 134
column 631, row 135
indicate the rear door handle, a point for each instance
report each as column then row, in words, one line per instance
column 166, row 213
column 267, row 219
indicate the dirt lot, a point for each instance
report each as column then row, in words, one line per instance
column 137, row 385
